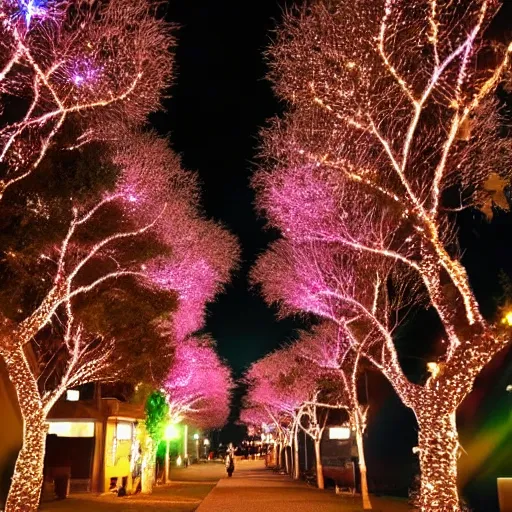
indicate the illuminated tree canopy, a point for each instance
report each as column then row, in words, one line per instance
column 90, row 63
column 97, row 212
column 199, row 384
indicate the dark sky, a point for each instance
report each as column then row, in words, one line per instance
column 218, row 103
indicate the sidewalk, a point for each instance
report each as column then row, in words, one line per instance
column 187, row 489
column 253, row 488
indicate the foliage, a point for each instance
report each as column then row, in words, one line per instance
column 198, row 385
column 157, row 415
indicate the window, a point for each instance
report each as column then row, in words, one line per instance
column 339, row 433
column 71, row 428
column 124, row 431
column 72, row 395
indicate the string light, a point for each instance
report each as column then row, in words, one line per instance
column 88, row 357
column 82, row 61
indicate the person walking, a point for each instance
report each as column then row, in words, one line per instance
column 230, row 460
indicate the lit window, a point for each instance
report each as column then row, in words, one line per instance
column 72, row 395
column 339, row 433
column 71, row 428
column 124, row 431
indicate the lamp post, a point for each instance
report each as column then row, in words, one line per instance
column 185, row 444
column 196, row 439
column 171, row 432
column 206, row 443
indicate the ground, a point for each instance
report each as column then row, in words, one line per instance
column 188, row 488
column 253, row 488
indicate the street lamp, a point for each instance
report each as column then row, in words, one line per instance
column 171, row 432
column 206, row 443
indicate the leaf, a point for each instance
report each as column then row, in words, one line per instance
column 494, row 195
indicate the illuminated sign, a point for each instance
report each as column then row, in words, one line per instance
column 339, row 433
column 72, row 395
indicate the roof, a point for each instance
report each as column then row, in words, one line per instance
column 88, row 409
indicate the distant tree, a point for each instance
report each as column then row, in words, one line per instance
column 327, row 351
column 391, row 127
column 278, row 385
column 198, row 385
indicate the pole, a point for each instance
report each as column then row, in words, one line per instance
column 166, row 466
column 305, row 452
column 185, row 444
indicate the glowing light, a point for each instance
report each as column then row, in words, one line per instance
column 434, row 369
column 507, row 319
column 72, row 395
column 32, row 9
column 196, row 437
column 339, row 433
column 85, row 73
column 71, row 428
column 171, row 432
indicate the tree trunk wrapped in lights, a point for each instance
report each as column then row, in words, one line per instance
column 359, row 178
column 148, row 468
column 296, row 458
column 438, row 450
column 362, row 466
column 318, row 465
column 314, row 430
column 27, row 479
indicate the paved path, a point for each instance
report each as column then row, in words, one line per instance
column 187, row 489
column 253, row 488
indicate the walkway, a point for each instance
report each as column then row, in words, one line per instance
column 187, row 489
column 254, row 488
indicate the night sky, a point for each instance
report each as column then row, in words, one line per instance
column 219, row 101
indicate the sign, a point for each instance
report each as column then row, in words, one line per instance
column 339, row 433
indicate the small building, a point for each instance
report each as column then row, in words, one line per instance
column 92, row 440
